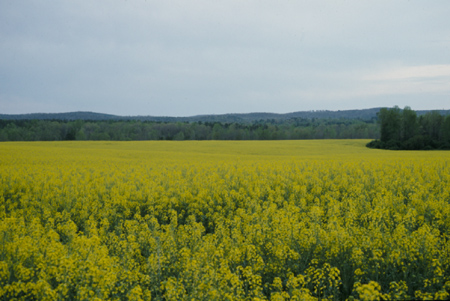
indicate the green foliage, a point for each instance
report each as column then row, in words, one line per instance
column 390, row 121
column 403, row 130
column 272, row 129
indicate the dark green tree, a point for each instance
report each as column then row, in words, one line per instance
column 431, row 124
column 404, row 130
column 390, row 122
column 446, row 131
column 409, row 127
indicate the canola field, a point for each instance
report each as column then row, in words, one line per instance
column 222, row 220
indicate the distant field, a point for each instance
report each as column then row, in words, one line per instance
column 182, row 150
column 223, row 220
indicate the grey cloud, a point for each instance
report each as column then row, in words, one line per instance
column 194, row 57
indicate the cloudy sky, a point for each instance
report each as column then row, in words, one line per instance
column 190, row 57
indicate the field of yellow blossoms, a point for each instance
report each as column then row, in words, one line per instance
column 210, row 220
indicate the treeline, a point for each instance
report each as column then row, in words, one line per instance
column 365, row 114
column 292, row 129
column 405, row 130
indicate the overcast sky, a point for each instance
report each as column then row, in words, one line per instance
column 190, row 57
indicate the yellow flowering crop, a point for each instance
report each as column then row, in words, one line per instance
column 223, row 220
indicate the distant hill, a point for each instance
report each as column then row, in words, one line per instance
column 60, row 116
column 365, row 114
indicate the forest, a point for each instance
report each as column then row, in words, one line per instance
column 125, row 130
column 392, row 128
column 405, row 130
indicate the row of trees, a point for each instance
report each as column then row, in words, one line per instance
column 295, row 128
column 403, row 129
